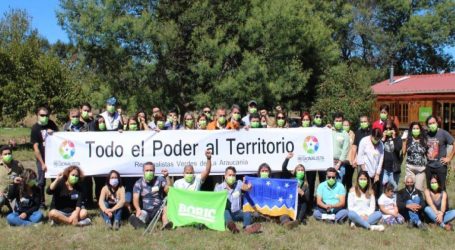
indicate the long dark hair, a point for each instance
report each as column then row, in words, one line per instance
column 368, row 190
column 109, row 177
column 264, row 165
column 26, row 176
column 439, row 190
column 422, row 137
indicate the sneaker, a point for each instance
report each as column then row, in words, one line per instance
column 167, row 226
column 352, row 225
column 136, row 222
column 84, row 222
column 303, row 222
column 108, row 224
column 116, row 225
column 232, row 227
column 448, row 227
column 52, row 223
column 422, row 226
column 379, row 228
column 291, row 224
column 253, row 228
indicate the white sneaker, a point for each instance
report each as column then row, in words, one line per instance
column 84, row 222
column 379, row 228
column 353, row 225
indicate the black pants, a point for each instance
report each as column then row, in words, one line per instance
column 347, row 180
column 441, row 172
column 311, row 179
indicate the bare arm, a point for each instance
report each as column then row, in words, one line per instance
column 208, row 165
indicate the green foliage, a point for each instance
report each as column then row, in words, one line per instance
column 345, row 88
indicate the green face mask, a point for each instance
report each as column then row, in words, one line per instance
column 43, row 120
column 434, row 186
column 300, row 175
column 222, row 120
column 170, row 120
column 32, row 183
column 236, row 117
column 415, row 132
column 383, row 116
column 433, row 127
column 102, row 126
column 374, row 141
column 363, row 183
column 346, row 128
column 331, row 182
column 110, row 109
column 189, row 178
column 264, row 124
column 84, row 115
column 202, row 124
column 305, row 124
column 338, row 125
column 74, row 121
column 7, row 159
column 189, row 123
column 73, row 179
column 252, row 110
column 264, row 174
column 133, row 127
column 160, row 124
column 389, row 132
column 255, row 125
column 230, row 180
column 364, row 125
column 280, row 122
column 209, row 115
column 148, row 176
column 317, row 121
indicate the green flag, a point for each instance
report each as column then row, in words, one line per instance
column 193, row 207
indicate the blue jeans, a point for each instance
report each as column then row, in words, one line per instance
column 341, row 173
column 238, row 216
column 413, row 216
column 14, row 219
column 390, row 177
column 117, row 215
column 358, row 220
column 448, row 216
column 340, row 214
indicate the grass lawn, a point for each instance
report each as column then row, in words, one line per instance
column 315, row 235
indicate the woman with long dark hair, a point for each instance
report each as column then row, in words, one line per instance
column 112, row 199
column 415, row 148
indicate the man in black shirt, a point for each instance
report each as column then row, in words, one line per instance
column 410, row 203
column 39, row 133
column 363, row 131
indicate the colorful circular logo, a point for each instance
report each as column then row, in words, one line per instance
column 311, row 144
column 67, row 149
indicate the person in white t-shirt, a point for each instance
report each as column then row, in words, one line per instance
column 388, row 206
column 191, row 181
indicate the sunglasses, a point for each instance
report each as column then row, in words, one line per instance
column 43, row 115
column 331, row 177
column 317, row 116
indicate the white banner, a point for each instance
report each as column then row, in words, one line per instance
column 99, row 152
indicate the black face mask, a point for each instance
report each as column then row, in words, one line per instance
column 410, row 188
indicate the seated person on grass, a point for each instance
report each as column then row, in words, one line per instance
column 264, row 171
column 67, row 198
column 233, row 210
column 28, row 199
column 362, row 205
column 10, row 171
column 111, row 200
column 437, row 205
column 410, row 202
column 304, row 195
column 388, row 206
column 148, row 196
column 331, row 199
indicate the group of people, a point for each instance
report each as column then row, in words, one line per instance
column 375, row 152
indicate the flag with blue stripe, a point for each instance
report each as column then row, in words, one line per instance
column 273, row 197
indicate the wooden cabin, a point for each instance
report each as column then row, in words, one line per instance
column 415, row 97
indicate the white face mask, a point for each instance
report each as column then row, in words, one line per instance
column 114, row 182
